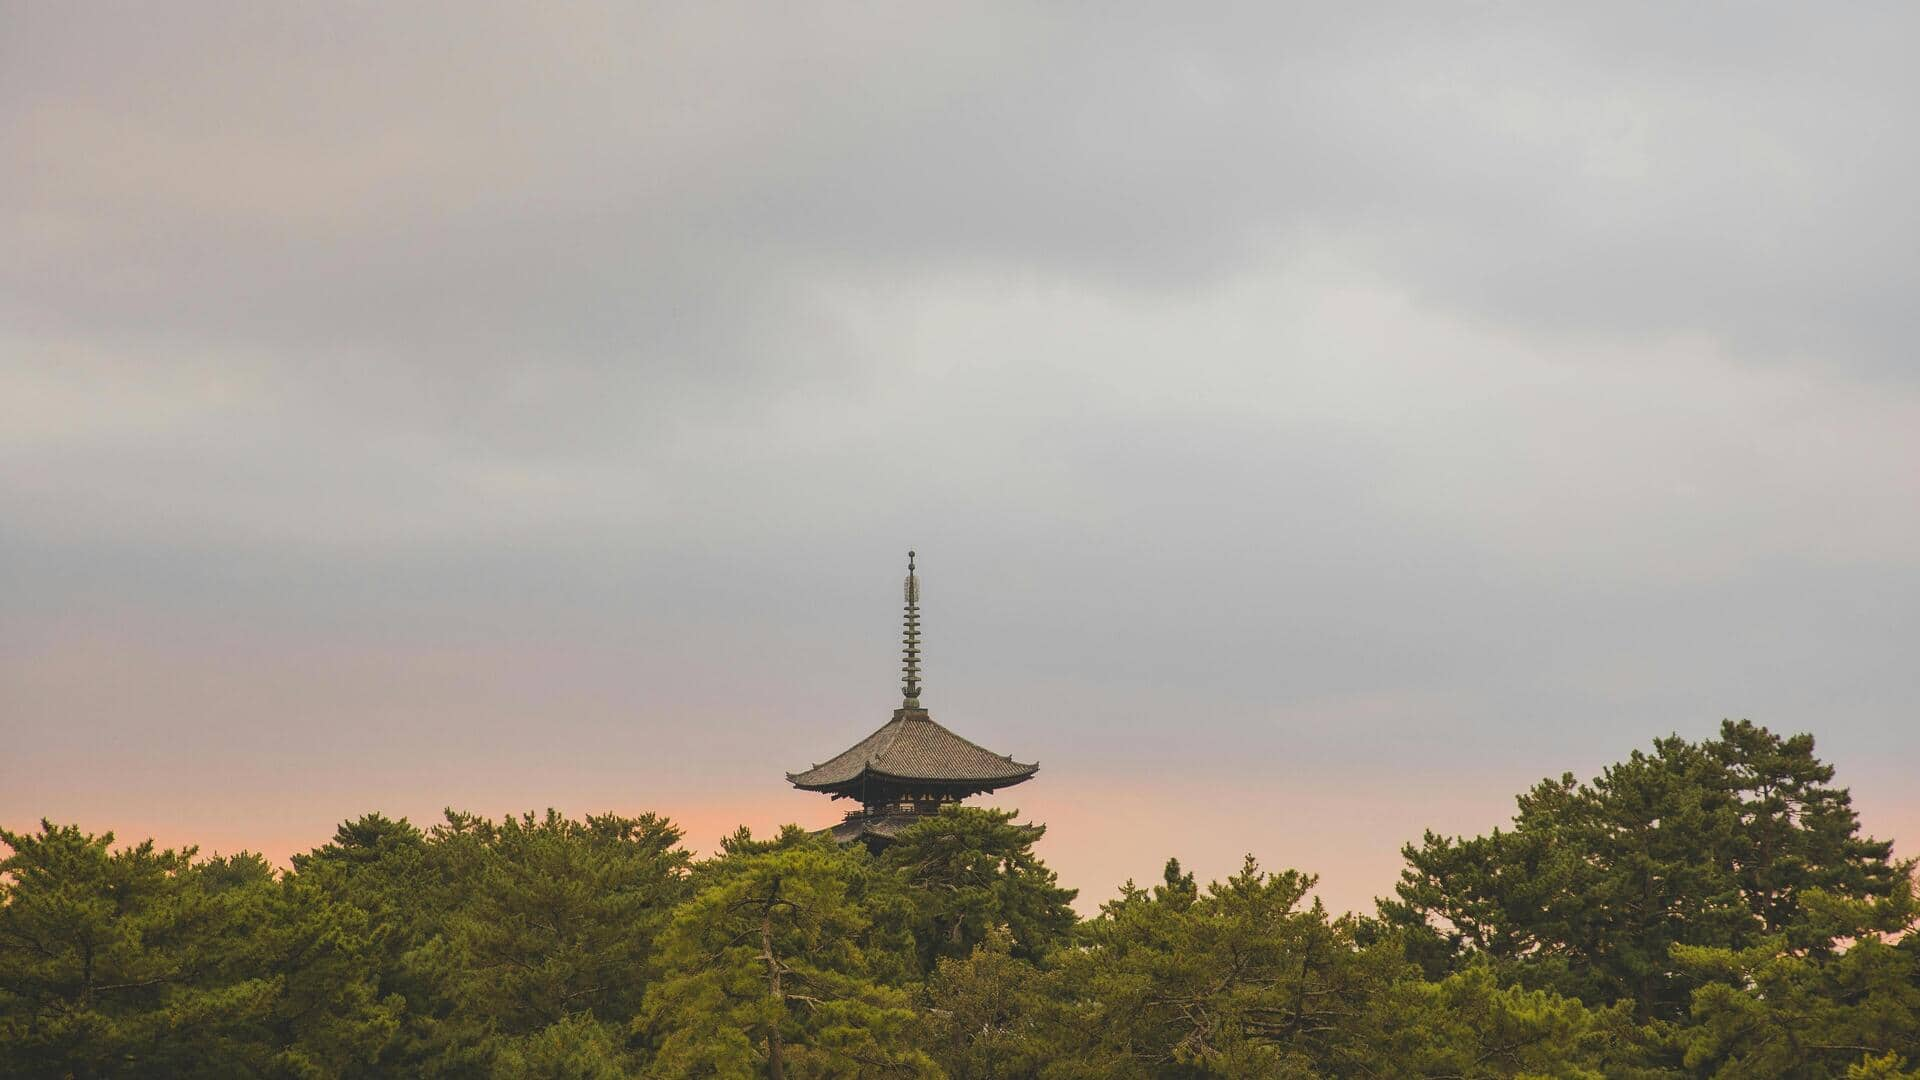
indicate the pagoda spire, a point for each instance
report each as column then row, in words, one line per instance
column 910, row 684
column 911, row 766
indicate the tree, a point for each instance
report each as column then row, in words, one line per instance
column 1238, row 980
column 561, row 918
column 493, row 932
column 577, row 1047
column 776, row 967
column 1796, row 832
column 1468, row 1026
column 970, row 869
column 1777, row 1010
column 141, row 962
column 983, row 1017
column 1706, row 844
column 406, row 887
column 1884, row 1067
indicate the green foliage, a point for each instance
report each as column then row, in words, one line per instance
column 1707, row 844
column 575, row 1047
column 1884, row 1067
column 1772, row 1010
column 983, row 1018
column 1238, row 980
column 777, row 967
column 141, row 962
column 494, row 931
column 1700, row 910
column 1468, row 1025
column 969, row 870
column 559, row 918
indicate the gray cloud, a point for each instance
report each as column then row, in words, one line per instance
column 1267, row 385
column 649, row 186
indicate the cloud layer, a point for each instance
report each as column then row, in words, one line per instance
column 491, row 406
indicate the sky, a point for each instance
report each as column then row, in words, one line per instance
column 1317, row 423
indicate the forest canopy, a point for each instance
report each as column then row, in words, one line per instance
column 1701, row 909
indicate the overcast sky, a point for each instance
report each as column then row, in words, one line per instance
column 1317, row 424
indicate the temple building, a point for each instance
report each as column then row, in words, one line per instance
column 912, row 766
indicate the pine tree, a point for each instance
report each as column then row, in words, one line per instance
column 1707, row 844
column 971, row 869
column 777, row 968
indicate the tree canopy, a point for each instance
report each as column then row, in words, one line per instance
column 1710, row 844
column 1700, row 909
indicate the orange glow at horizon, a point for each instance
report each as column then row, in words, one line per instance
column 1099, row 833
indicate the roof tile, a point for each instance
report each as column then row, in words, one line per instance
column 912, row 746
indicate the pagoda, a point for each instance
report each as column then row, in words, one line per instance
column 912, row 766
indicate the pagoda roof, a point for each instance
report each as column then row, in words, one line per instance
column 914, row 748
column 871, row 828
